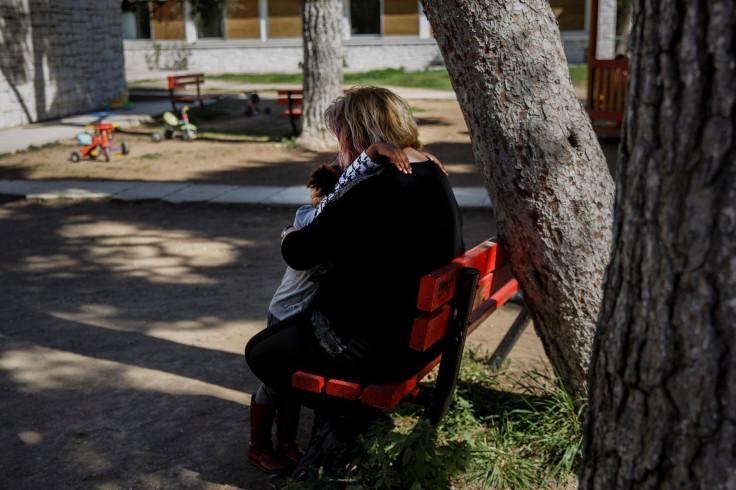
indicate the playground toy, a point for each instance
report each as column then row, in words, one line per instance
column 173, row 123
column 120, row 101
column 100, row 142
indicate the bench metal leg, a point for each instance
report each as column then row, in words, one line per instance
column 509, row 340
column 292, row 117
column 171, row 96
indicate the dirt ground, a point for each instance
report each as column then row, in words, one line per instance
column 122, row 325
column 221, row 157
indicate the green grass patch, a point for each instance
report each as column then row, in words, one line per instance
column 503, row 430
column 289, row 142
column 531, row 434
column 429, row 79
column 272, row 78
column 579, row 74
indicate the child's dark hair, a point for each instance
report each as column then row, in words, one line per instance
column 323, row 178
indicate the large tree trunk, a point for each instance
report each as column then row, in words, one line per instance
column 323, row 58
column 663, row 376
column 540, row 161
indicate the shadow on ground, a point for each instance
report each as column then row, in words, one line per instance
column 121, row 339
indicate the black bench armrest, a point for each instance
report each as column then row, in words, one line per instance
column 454, row 344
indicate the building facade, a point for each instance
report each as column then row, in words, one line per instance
column 264, row 36
column 58, row 58
column 64, row 57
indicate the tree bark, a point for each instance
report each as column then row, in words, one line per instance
column 540, row 161
column 663, row 377
column 323, row 58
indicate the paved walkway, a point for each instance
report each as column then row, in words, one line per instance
column 181, row 192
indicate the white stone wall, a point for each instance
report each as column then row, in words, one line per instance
column 285, row 56
column 576, row 47
column 606, row 42
column 58, row 58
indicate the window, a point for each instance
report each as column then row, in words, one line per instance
column 242, row 21
column 284, row 18
column 400, row 18
column 570, row 14
column 168, row 20
column 365, row 17
column 136, row 20
column 207, row 17
column 209, row 26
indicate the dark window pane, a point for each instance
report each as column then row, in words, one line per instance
column 209, row 24
column 136, row 21
column 365, row 17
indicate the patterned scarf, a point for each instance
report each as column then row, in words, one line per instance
column 361, row 169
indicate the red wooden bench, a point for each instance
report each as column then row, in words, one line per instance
column 183, row 81
column 293, row 100
column 607, row 94
column 474, row 286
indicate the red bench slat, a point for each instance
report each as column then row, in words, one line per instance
column 308, row 382
column 428, row 328
column 498, row 299
column 343, row 389
column 438, row 287
column 295, row 95
column 184, row 80
column 389, row 394
column 285, row 100
column 491, row 283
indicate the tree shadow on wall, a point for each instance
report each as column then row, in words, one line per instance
column 13, row 57
column 38, row 52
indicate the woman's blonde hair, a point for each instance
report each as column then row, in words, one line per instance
column 368, row 115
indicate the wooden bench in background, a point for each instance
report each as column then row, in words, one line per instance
column 454, row 300
column 293, row 100
column 607, row 94
column 183, row 81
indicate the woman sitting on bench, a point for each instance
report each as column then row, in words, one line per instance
column 384, row 231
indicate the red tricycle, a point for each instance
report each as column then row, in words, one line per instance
column 99, row 142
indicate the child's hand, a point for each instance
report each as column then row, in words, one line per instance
column 392, row 153
column 436, row 162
